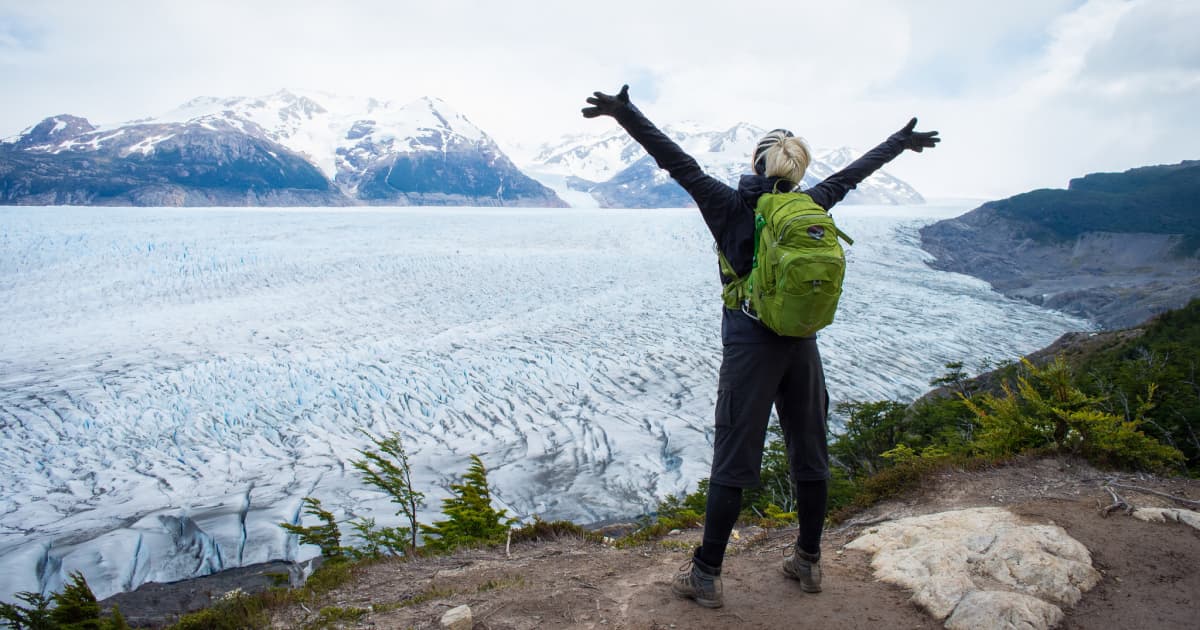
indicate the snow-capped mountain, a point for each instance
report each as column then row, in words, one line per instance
column 282, row 149
column 65, row 160
column 611, row 169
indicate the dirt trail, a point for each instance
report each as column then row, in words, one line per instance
column 1148, row 568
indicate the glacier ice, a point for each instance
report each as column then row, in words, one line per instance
column 174, row 381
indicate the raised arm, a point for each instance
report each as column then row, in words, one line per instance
column 712, row 195
column 835, row 187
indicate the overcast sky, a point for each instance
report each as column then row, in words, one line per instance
column 1026, row 93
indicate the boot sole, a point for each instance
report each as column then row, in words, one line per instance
column 707, row 603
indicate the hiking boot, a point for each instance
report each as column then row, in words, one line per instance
column 699, row 582
column 806, row 568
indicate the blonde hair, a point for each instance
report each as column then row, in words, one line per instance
column 788, row 159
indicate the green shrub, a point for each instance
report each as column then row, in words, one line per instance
column 376, row 541
column 1166, row 355
column 870, row 429
column 233, row 613
column 471, row 518
column 1046, row 409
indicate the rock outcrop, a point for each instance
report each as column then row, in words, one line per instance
column 982, row 567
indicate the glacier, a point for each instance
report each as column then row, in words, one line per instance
column 174, row 381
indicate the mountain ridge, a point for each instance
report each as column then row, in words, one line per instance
column 303, row 152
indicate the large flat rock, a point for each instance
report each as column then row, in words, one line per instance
column 982, row 566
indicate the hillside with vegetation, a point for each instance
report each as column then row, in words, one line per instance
column 1113, row 247
column 1152, row 199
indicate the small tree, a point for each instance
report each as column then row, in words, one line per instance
column 326, row 535
column 34, row 617
column 472, row 520
column 954, row 378
column 75, row 608
column 117, row 620
column 388, row 469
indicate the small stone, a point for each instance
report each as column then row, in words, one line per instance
column 674, row 532
column 458, row 618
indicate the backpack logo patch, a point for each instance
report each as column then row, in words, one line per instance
column 816, row 232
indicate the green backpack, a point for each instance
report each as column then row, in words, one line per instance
column 796, row 278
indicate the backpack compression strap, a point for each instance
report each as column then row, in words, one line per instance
column 733, row 293
column 736, row 293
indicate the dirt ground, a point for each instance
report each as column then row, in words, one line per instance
column 1150, row 576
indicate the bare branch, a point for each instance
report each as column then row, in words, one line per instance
column 1117, row 504
column 1181, row 500
column 1190, row 430
column 864, row 522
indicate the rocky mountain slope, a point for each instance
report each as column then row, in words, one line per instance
column 1113, row 247
column 283, row 149
column 614, row 171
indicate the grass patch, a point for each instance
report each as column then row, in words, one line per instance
column 440, row 592
column 650, row 532
column 676, row 545
column 540, row 530
column 331, row 615
column 330, row 575
column 514, row 581
column 242, row 611
column 433, row 592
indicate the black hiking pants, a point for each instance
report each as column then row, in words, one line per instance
column 787, row 374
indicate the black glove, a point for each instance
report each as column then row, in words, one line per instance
column 606, row 105
column 917, row 140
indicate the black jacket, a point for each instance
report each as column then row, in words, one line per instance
column 729, row 212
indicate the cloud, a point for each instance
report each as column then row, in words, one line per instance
column 1026, row 93
column 19, row 36
column 1082, row 103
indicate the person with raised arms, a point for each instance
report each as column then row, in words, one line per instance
column 760, row 367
